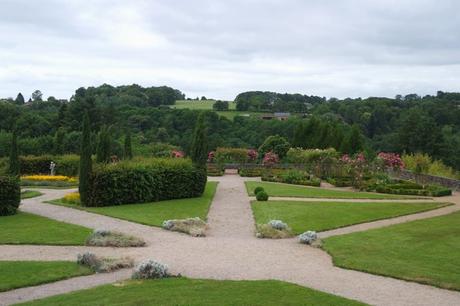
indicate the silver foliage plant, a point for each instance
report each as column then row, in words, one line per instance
column 278, row 224
column 150, row 269
column 308, row 237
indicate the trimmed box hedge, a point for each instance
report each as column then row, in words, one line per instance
column 65, row 164
column 146, row 180
column 411, row 188
column 10, row 195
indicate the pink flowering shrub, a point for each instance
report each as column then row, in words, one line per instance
column 391, row 160
column 211, row 156
column 270, row 158
column 252, row 155
column 357, row 167
column 177, row 154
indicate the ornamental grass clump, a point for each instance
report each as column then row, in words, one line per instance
column 275, row 229
column 103, row 264
column 150, row 269
column 193, row 226
column 106, row 238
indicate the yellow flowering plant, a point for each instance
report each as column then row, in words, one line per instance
column 51, row 178
column 71, row 198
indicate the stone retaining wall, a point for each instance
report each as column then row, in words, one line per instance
column 425, row 178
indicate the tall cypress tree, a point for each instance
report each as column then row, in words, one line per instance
column 103, row 146
column 59, row 141
column 14, row 167
column 128, row 154
column 199, row 148
column 19, row 99
column 85, row 161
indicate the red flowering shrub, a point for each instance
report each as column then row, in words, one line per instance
column 177, row 154
column 270, row 158
column 252, row 155
column 211, row 156
column 391, row 160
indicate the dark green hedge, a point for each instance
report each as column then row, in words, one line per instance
column 65, row 164
column 418, row 190
column 10, row 195
column 145, row 181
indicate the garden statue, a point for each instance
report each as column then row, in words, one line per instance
column 52, row 167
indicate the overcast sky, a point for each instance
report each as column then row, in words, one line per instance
column 334, row 48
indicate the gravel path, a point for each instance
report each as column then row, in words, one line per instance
column 230, row 251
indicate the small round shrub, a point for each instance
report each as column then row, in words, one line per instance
column 278, row 224
column 308, row 237
column 150, row 269
column 258, row 189
column 262, row 196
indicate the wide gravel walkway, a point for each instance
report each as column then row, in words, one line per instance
column 230, row 251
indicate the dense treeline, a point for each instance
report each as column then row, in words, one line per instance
column 266, row 101
column 429, row 124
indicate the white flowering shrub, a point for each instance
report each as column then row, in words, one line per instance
column 150, row 269
column 308, row 237
column 278, row 224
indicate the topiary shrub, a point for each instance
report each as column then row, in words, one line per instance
column 10, row 195
column 145, row 180
column 150, row 269
column 262, row 196
column 258, row 189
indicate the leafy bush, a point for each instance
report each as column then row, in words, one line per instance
column 296, row 177
column 193, row 226
column 10, row 195
column 145, row 180
column 107, row 238
column 423, row 163
column 276, row 144
column 309, row 156
column 258, row 189
column 150, row 269
column 262, row 196
column 250, row 172
column 230, row 155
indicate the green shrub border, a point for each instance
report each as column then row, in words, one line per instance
column 10, row 195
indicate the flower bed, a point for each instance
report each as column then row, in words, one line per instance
column 295, row 177
column 48, row 180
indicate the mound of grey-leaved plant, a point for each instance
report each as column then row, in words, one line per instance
column 193, row 226
column 150, row 269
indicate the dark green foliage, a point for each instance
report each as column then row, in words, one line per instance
column 276, row 102
column 19, row 99
column 145, row 181
column 59, row 141
column 104, row 146
column 292, row 177
column 262, row 196
column 258, row 189
column 85, row 162
column 199, row 147
column 10, row 195
column 411, row 188
column 128, row 151
column 220, row 106
column 14, row 157
column 276, row 144
column 65, row 164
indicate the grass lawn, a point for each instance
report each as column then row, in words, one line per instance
column 320, row 216
column 204, row 105
column 157, row 212
column 425, row 251
column 286, row 190
column 27, row 194
column 17, row 274
column 183, row 291
column 25, row 228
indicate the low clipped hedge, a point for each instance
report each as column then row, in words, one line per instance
column 10, row 195
column 250, row 172
column 411, row 188
column 144, row 181
column 65, row 164
column 340, row 181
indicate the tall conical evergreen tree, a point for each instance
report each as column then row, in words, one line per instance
column 19, row 99
column 199, row 148
column 59, row 141
column 356, row 140
column 104, row 145
column 128, row 154
column 14, row 167
column 85, row 161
